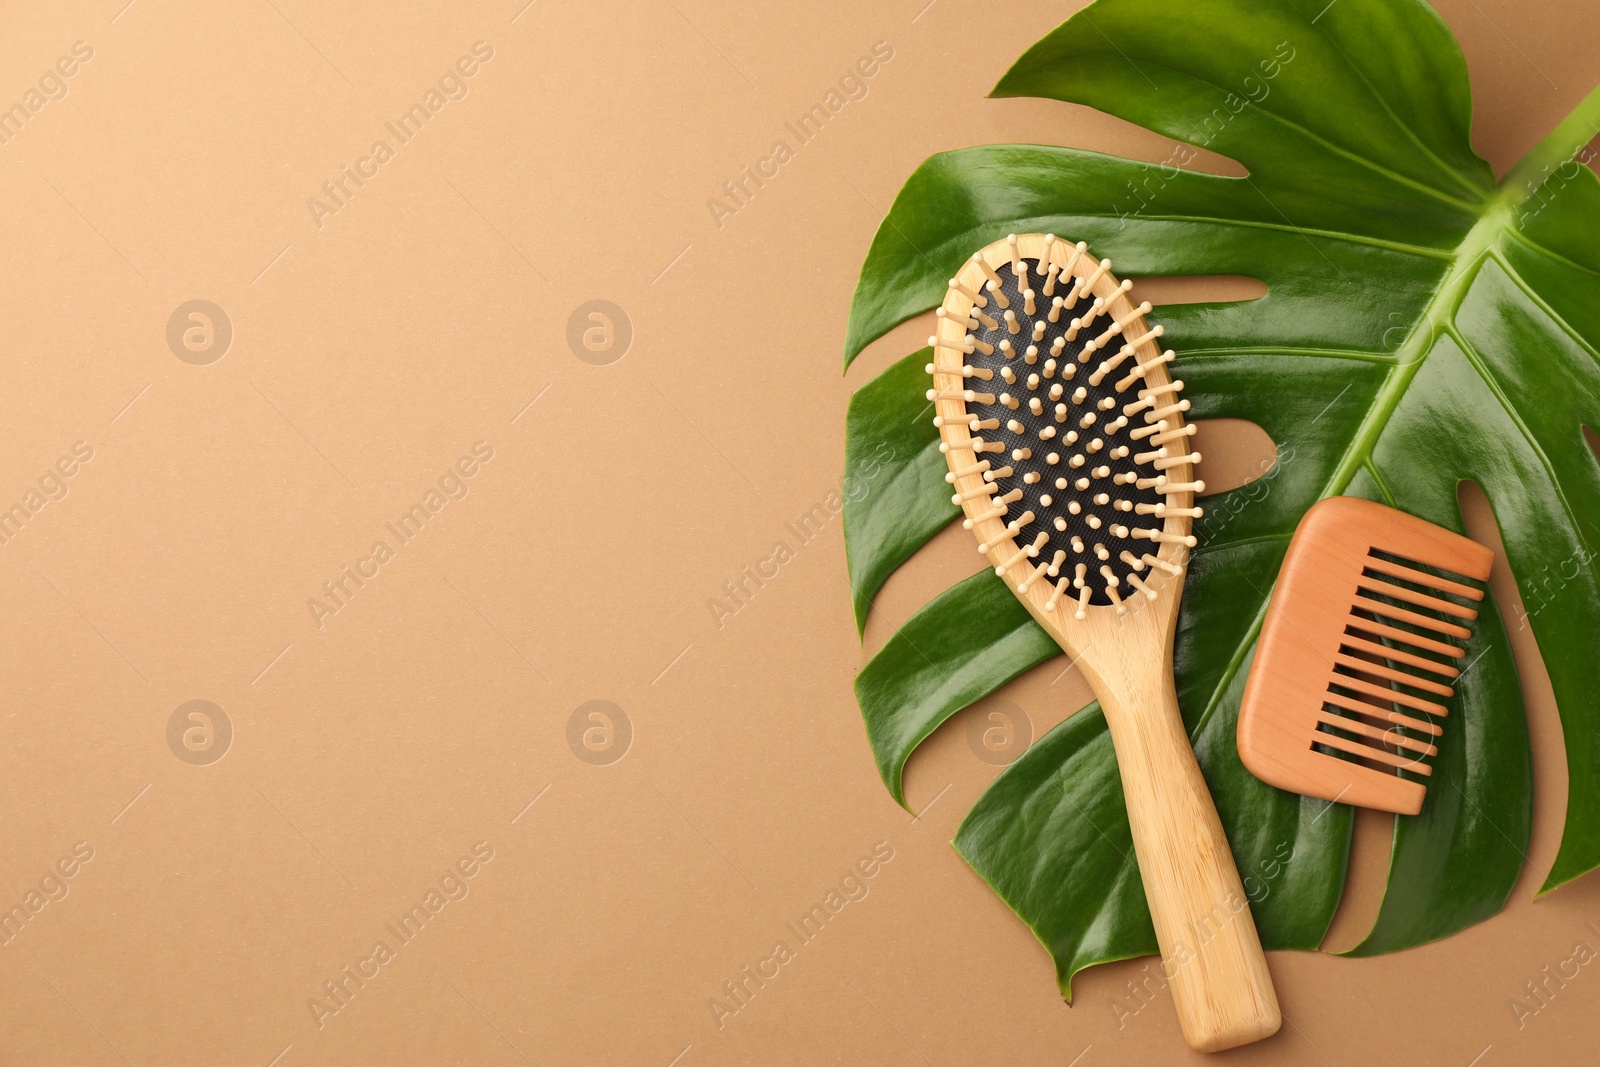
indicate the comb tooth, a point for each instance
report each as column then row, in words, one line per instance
column 1390, row 736
column 1131, row 560
column 977, row 298
column 1356, row 748
column 1138, row 406
column 1055, row 564
column 1410, row 596
column 1400, row 570
column 1361, row 644
column 1016, row 256
column 1059, row 594
column 1379, row 670
column 1427, row 622
column 1030, row 306
column 1389, row 696
column 1181, row 487
column 1003, row 472
column 1161, row 564
column 1138, row 583
column 1395, row 717
column 1406, row 636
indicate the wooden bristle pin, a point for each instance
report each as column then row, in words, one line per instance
column 978, row 300
column 960, row 320
column 1168, row 462
column 1162, row 565
column 962, row 472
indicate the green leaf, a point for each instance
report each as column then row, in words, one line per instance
column 1422, row 327
column 934, row 666
column 894, row 491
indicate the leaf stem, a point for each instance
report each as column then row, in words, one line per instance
column 1569, row 137
column 1435, row 321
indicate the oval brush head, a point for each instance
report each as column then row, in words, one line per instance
column 1062, row 426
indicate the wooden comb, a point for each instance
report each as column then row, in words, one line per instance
column 1069, row 453
column 1353, row 668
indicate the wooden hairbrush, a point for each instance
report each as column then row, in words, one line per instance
column 1354, row 659
column 1069, row 454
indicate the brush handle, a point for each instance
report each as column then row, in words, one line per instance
column 1209, row 947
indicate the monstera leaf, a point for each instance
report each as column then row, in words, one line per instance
column 1423, row 326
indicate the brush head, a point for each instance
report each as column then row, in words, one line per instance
column 1357, row 658
column 1063, row 430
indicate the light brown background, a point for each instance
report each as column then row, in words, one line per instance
column 426, row 715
